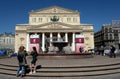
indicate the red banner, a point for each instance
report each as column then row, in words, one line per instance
column 79, row 40
column 79, row 43
column 34, row 40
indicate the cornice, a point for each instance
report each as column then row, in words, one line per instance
column 50, row 23
column 56, row 30
column 34, row 11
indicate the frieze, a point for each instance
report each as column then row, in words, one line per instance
column 54, row 26
column 55, row 30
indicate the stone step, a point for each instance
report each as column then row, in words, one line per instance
column 75, row 70
column 64, row 74
column 42, row 70
column 67, row 68
column 65, row 71
column 63, row 68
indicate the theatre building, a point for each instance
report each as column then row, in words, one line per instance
column 54, row 27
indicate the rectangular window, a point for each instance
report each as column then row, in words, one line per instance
column 39, row 19
column 68, row 19
column 33, row 19
column 74, row 19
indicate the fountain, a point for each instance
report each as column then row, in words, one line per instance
column 64, row 50
column 60, row 45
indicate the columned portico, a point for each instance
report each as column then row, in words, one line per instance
column 50, row 40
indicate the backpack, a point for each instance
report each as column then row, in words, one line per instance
column 20, row 57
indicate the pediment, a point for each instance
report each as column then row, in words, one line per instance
column 51, row 26
column 54, row 9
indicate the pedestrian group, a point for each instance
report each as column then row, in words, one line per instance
column 22, row 61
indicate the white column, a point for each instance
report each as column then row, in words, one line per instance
column 58, row 36
column 66, row 37
column 43, row 42
column 73, row 42
column 28, row 43
column 51, row 39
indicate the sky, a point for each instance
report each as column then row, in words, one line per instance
column 96, row 12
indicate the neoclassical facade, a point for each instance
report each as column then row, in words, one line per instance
column 54, row 24
column 7, row 41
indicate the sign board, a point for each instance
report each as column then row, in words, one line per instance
column 79, row 42
column 34, row 42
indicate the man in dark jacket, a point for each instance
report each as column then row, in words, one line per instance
column 112, row 51
column 81, row 50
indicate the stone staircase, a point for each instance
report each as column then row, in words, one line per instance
column 70, row 72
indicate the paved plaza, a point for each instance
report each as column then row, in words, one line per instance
column 96, row 60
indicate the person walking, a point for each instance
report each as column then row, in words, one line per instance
column 81, row 49
column 102, row 50
column 34, row 55
column 112, row 51
column 21, row 57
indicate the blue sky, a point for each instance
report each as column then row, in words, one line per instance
column 96, row 12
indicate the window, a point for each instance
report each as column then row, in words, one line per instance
column 106, row 36
column 68, row 19
column 110, row 29
column 106, row 30
column 111, row 36
column 33, row 19
column 115, row 31
column 74, row 19
column 39, row 19
column 116, row 34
